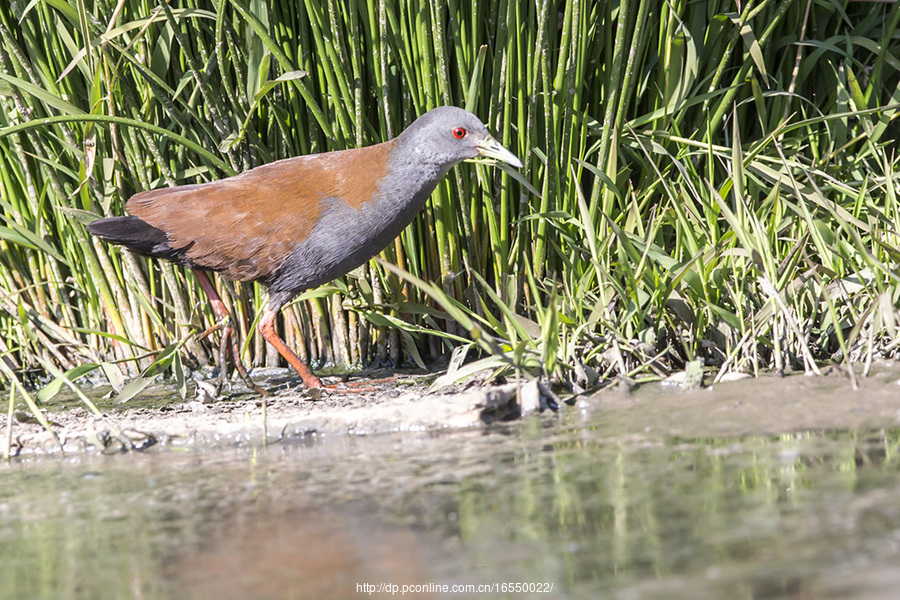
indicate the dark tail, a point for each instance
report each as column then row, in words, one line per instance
column 135, row 234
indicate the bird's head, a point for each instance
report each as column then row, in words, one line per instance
column 448, row 135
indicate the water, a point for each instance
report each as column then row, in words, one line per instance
column 568, row 505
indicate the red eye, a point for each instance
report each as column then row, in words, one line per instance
column 459, row 133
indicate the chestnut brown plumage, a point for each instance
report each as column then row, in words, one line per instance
column 300, row 222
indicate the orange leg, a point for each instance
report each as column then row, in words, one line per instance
column 267, row 329
column 215, row 301
column 228, row 334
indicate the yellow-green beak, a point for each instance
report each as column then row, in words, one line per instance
column 491, row 148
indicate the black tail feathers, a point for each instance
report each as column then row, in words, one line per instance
column 135, row 234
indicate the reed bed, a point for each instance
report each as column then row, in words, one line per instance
column 704, row 181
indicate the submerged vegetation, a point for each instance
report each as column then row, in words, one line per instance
column 703, row 180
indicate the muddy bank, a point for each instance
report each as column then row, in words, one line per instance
column 766, row 405
column 404, row 404
column 761, row 406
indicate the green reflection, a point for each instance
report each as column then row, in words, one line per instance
column 747, row 517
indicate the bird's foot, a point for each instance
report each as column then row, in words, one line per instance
column 229, row 342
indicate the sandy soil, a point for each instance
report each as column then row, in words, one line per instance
column 767, row 405
column 401, row 405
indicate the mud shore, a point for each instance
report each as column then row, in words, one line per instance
column 766, row 405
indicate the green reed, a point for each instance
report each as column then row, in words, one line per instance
column 701, row 180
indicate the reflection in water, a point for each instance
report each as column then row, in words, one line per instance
column 803, row 515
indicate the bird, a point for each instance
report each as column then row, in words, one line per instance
column 297, row 223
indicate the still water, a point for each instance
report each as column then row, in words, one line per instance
column 562, row 505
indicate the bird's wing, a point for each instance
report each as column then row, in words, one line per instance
column 246, row 226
